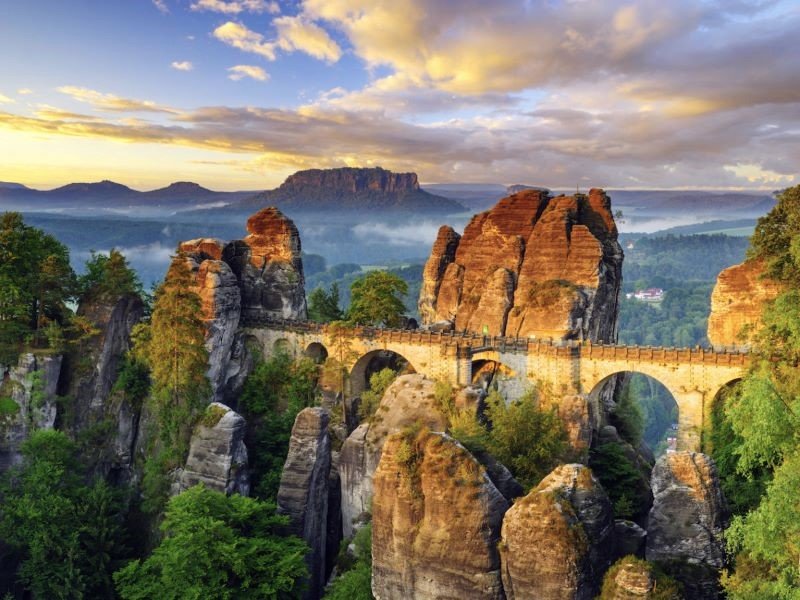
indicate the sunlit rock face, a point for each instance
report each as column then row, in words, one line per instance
column 558, row 540
column 532, row 266
column 409, row 399
column 436, row 519
column 737, row 302
column 258, row 277
column 686, row 524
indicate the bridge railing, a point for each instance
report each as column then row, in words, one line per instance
column 478, row 343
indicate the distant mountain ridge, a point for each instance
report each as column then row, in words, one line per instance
column 353, row 189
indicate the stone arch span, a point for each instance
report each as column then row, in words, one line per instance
column 371, row 362
column 317, row 352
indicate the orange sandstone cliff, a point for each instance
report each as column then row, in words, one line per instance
column 532, row 266
column 737, row 301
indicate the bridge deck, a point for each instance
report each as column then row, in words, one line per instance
column 478, row 343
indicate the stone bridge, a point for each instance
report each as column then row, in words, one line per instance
column 694, row 376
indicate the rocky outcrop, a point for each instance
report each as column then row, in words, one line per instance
column 410, row 399
column 737, row 302
column 303, row 493
column 435, row 522
column 28, row 397
column 531, row 266
column 217, row 453
column 685, row 528
column 88, row 379
column 558, row 540
column 443, row 254
column 90, row 387
column 252, row 279
column 579, row 417
column 630, row 538
column 354, row 189
column 634, row 579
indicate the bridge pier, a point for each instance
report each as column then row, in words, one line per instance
column 463, row 365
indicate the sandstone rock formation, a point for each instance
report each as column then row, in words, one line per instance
column 217, row 453
column 687, row 520
column 557, row 541
column 303, row 493
column 29, row 402
column 354, row 189
column 630, row 538
column 737, row 301
column 531, row 266
column 435, row 522
column 258, row 277
column 634, row 579
column 408, row 400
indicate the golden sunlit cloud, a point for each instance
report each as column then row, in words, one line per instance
column 24, row 91
column 239, row 36
column 183, row 65
column 294, row 34
column 5, row 99
column 110, row 102
column 297, row 33
column 238, row 72
column 755, row 173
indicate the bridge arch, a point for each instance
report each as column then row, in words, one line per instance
column 317, row 352
column 660, row 408
column 282, row 345
column 372, row 362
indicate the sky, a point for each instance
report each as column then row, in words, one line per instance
column 238, row 94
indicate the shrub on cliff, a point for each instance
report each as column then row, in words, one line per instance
column 273, row 395
column 217, row 546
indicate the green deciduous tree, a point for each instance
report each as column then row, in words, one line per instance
column 217, row 547
column 107, row 276
column 323, row 306
column 66, row 534
column 377, row 299
column 371, row 398
column 273, row 394
column 525, row 437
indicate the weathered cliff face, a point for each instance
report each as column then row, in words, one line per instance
column 737, row 302
column 354, row 189
column 303, row 494
column 353, row 180
column 217, row 453
column 531, row 266
column 558, row 540
column 408, row 400
column 685, row 528
column 436, row 521
column 29, row 402
column 258, row 277
column 88, row 378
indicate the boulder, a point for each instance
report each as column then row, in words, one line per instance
column 217, row 453
column 634, row 579
column 686, row 523
column 408, row 400
column 737, row 302
column 303, row 493
column 435, row 522
column 558, row 540
column 630, row 538
column 28, row 391
column 533, row 265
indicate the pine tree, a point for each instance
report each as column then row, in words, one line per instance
column 177, row 356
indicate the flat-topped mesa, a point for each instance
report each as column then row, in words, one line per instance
column 737, row 302
column 353, row 180
column 532, row 266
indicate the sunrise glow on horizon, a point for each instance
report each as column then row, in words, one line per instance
column 238, row 94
